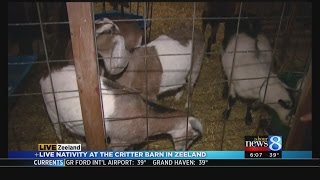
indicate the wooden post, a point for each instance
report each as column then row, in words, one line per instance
column 297, row 138
column 84, row 53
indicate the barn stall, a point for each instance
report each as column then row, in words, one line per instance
column 40, row 34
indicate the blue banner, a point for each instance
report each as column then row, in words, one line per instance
column 146, row 154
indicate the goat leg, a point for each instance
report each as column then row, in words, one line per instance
column 212, row 38
column 209, row 46
column 231, row 102
column 204, row 21
column 225, row 90
column 248, row 118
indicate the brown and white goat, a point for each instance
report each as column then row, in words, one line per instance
column 124, row 113
column 169, row 59
column 130, row 31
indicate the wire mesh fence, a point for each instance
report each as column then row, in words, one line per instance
column 29, row 123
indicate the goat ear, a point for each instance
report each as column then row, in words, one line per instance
column 106, row 24
column 285, row 104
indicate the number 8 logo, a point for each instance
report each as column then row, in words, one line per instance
column 276, row 143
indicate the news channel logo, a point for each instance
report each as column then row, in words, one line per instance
column 263, row 143
column 275, row 143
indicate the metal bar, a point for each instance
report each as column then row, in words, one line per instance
column 47, row 61
column 163, row 18
column 150, row 22
column 33, row 24
column 190, row 80
column 232, row 66
column 145, row 72
column 138, row 8
column 98, row 71
column 274, row 49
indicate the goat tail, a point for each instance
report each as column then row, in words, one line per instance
column 195, row 124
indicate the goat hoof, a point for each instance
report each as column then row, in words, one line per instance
column 226, row 114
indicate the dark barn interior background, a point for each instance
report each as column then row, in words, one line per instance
column 288, row 25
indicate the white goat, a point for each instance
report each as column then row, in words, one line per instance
column 124, row 113
column 252, row 59
column 166, row 70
